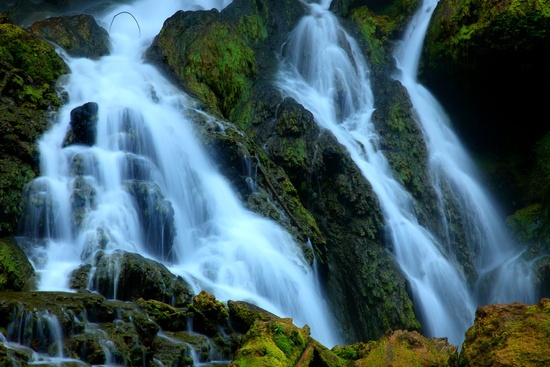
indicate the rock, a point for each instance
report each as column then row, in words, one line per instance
column 513, row 334
column 156, row 216
column 16, row 272
column 280, row 343
column 209, row 315
column 93, row 330
column 243, row 315
column 78, row 35
column 400, row 348
column 83, row 125
column 129, row 276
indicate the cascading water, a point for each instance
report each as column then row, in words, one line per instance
column 503, row 276
column 324, row 70
column 91, row 198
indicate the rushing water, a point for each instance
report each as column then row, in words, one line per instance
column 503, row 275
column 145, row 140
column 324, row 70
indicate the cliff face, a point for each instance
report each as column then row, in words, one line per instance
column 487, row 62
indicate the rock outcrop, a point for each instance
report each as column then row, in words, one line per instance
column 78, row 35
column 508, row 335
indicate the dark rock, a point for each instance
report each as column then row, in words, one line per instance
column 79, row 35
column 156, row 216
column 130, row 276
column 83, row 125
column 480, row 57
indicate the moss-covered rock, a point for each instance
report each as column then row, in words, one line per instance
column 280, row 343
column 508, row 335
column 78, row 35
column 365, row 285
column 16, row 272
column 208, row 56
column 29, row 68
column 400, row 348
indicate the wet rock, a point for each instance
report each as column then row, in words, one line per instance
column 243, row 315
column 130, row 276
column 363, row 281
column 78, row 35
column 83, row 125
column 156, row 216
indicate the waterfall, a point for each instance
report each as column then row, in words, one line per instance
column 502, row 274
column 91, row 198
column 324, row 70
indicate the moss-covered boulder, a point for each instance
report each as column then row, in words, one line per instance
column 400, row 348
column 364, row 283
column 78, row 35
column 209, row 56
column 280, row 343
column 16, row 272
column 218, row 57
column 508, row 335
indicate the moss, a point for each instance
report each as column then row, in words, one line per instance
column 16, row 272
column 276, row 343
column 212, row 60
column 33, row 67
column 400, row 348
column 504, row 335
column 167, row 317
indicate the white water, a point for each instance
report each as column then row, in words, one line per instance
column 503, row 276
column 219, row 246
column 332, row 81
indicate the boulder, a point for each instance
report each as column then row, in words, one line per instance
column 513, row 334
column 400, row 348
column 83, row 125
column 78, row 35
column 129, row 276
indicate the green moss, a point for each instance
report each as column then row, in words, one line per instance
column 275, row 344
column 399, row 348
column 16, row 272
column 252, row 27
column 33, row 67
column 505, row 335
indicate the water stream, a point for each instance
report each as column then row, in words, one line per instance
column 145, row 142
column 502, row 274
column 324, row 70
